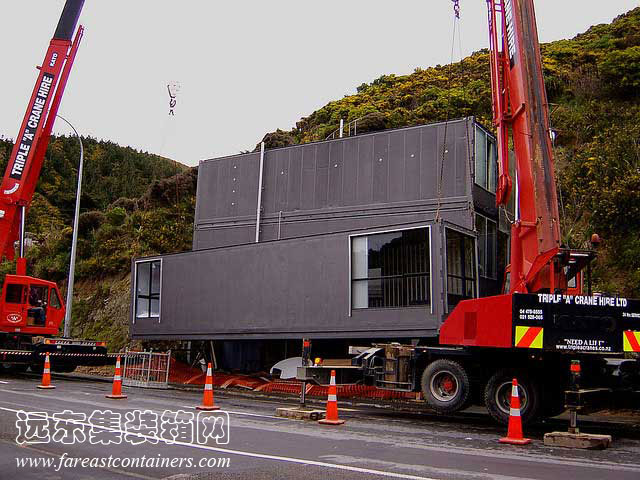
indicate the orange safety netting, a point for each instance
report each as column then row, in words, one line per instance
column 182, row 373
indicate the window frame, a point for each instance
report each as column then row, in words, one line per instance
column 486, row 249
column 135, row 291
column 491, row 175
column 445, row 266
column 378, row 232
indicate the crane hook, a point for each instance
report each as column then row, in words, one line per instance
column 456, row 8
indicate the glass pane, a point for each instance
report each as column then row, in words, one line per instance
column 481, row 227
column 454, row 253
column 155, row 307
column 481, row 158
column 469, row 257
column 492, row 168
column 142, row 281
column 416, row 251
column 385, row 255
column 155, row 277
column 37, row 295
column 14, row 293
column 54, row 300
column 142, row 308
column 359, row 295
column 386, row 292
column 359, row 264
column 418, row 288
column 492, row 241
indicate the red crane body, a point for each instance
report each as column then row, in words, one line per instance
column 30, row 305
column 521, row 117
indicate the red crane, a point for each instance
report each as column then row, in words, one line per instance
column 538, row 263
column 30, row 306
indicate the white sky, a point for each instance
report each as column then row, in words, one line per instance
column 246, row 67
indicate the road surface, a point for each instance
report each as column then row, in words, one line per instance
column 374, row 443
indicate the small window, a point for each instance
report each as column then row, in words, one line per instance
column 461, row 267
column 38, row 295
column 486, row 161
column 54, row 299
column 487, row 245
column 391, row 269
column 148, row 289
column 15, row 293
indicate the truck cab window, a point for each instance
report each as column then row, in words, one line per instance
column 461, row 267
column 15, row 293
column 148, row 289
column 54, row 300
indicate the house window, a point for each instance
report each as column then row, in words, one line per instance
column 486, row 161
column 148, row 289
column 487, row 244
column 461, row 267
column 391, row 269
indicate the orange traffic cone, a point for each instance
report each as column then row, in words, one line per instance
column 46, row 374
column 116, row 390
column 331, row 417
column 207, row 399
column 514, row 434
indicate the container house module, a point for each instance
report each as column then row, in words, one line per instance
column 374, row 236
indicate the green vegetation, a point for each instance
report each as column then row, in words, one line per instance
column 593, row 83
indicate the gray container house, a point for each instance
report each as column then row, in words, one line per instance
column 371, row 236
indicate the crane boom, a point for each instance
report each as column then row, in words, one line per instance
column 27, row 156
column 521, row 114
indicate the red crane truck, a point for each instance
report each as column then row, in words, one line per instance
column 547, row 315
column 31, row 309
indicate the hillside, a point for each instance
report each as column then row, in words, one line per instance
column 593, row 83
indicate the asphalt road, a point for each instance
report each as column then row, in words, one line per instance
column 374, row 443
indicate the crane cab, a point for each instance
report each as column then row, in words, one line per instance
column 31, row 306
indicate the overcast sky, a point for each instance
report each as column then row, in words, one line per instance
column 246, row 67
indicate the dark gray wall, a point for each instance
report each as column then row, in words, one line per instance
column 356, row 182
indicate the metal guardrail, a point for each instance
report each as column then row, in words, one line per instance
column 146, row 369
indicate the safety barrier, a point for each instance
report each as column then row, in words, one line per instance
column 146, row 369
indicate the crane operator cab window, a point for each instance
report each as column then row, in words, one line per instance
column 15, row 293
column 37, row 305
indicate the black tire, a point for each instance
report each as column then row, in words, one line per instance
column 446, row 386
column 553, row 403
column 497, row 396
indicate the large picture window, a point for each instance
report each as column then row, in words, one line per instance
column 148, row 289
column 461, row 267
column 486, row 161
column 391, row 269
column 487, row 243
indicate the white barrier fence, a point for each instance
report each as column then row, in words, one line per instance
column 146, row 369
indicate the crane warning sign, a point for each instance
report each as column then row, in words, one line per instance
column 30, row 128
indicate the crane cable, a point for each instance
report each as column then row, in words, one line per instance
column 456, row 30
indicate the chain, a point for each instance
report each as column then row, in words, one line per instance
column 456, row 8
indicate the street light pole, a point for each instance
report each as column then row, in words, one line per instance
column 74, row 241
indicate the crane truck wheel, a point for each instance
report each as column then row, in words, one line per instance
column 497, row 396
column 446, row 386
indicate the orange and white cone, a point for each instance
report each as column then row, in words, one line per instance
column 207, row 398
column 331, row 417
column 116, row 390
column 46, row 374
column 514, row 434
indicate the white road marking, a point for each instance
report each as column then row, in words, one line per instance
column 262, row 456
column 2, row 381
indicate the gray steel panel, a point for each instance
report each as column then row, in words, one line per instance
column 397, row 161
column 282, row 179
column 365, row 170
column 336, row 159
column 412, row 164
column 308, row 177
column 430, row 161
column 381, row 166
column 350, row 173
column 322, row 174
column 295, row 179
